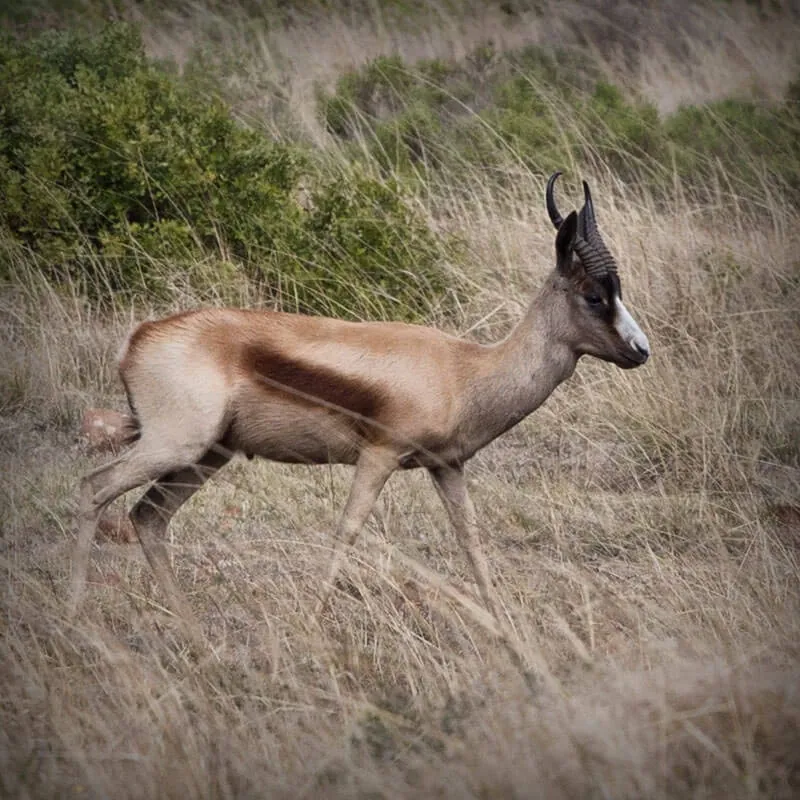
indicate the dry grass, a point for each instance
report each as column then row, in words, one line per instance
column 670, row 52
column 643, row 529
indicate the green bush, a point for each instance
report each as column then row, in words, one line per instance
column 751, row 143
column 121, row 176
column 625, row 135
column 362, row 232
column 523, row 122
column 542, row 110
column 396, row 110
column 491, row 111
column 98, row 144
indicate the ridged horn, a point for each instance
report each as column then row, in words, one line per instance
column 552, row 211
column 590, row 247
column 597, row 260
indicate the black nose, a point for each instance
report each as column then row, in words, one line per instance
column 642, row 351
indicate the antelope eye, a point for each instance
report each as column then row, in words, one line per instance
column 594, row 300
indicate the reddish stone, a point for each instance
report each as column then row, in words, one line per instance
column 116, row 527
column 106, row 430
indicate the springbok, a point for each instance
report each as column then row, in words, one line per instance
column 203, row 385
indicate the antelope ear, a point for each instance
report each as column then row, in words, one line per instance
column 565, row 242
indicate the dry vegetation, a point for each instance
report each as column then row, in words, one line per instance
column 643, row 528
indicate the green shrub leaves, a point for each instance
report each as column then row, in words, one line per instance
column 539, row 110
column 120, row 176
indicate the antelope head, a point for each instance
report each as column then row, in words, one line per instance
column 596, row 322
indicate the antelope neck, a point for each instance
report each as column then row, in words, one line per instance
column 519, row 373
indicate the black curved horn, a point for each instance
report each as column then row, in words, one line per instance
column 552, row 211
column 589, row 206
column 592, row 250
column 597, row 260
column 587, row 224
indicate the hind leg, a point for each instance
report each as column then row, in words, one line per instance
column 88, row 516
column 151, row 516
column 148, row 460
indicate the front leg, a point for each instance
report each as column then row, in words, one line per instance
column 452, row 488
column 374, row 467
column 451, row 485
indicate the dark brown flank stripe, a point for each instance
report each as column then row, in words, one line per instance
column 305, row 383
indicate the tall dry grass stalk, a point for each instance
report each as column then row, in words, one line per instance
column 643, row 530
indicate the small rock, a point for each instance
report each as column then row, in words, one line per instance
column 105, row 430
column 117, row 528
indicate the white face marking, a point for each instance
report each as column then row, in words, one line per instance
column 628, row 330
